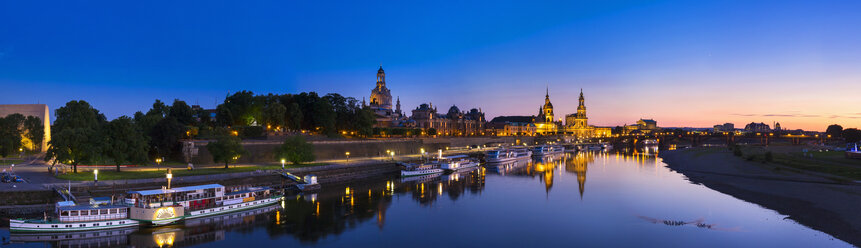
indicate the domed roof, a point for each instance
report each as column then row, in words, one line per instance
column 453, row 110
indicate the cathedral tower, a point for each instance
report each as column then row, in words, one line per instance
column 547, row 110
column 381, row 97
column 580, row 120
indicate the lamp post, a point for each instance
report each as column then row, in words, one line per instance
column 169, row 176
column 393, row 156
column 282, row 163
column 96, row 175
column 348, row 156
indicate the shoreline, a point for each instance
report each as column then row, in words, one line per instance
column 327, row 175
column 807, row 199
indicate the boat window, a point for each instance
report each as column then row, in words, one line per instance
column 85, row 212
column 113, row 210
column 64, row 213
column 103, row 211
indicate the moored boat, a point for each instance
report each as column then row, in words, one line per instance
column 544, row 150
column 73, row 218
column 458, row 162
column 420, row 169
column 165, row 206
column 507, row 154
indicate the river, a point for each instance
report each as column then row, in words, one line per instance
column 584, row 199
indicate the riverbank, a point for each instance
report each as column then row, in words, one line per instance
column 819, row 202
column 332, row 174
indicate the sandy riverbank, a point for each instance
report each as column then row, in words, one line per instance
column 816, row 202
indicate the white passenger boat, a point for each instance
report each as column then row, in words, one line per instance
column 545, row 150
column 507, row 154
column 165, row 206
column 72, row 218
column 458, row 162
column 410, row 170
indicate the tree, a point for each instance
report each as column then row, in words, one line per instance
column 296, row 150
column 431, row 131
column 10, row 134
column 274, row 115
column 294, row 117
column 365, row 120
column 223, row 116
column 324, row 117
column 182, row 113
column 34, row 130
column 834, row 130
column 165, row 136
column 125, row 142
column 75, row 136
column 225, row 149
column 159, row 108
column 852, row 135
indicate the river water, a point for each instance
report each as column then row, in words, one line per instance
column 593, row 199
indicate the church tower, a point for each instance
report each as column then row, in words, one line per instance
column 547, row 110
column 381, row 97
column 580, row 120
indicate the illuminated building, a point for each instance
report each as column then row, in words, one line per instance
column 453, row 123
column 381, row 103
column 577, row 124
column 544, row 123
column 644, row 126
column 757, row 127
column 726, row 127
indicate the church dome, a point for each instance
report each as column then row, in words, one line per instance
column 453, row 110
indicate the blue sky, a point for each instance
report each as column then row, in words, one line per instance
column 683, row 63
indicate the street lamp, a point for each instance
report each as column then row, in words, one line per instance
column 393, row 156
column 96, row 175
column 282, row 163
column 169, row 176
column 348, row 156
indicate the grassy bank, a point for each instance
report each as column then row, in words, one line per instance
column 112, row 174
column 828, row 162
column 11, row 161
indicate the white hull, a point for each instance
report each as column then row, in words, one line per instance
column 231, row 208
column 24, row 226
column 503, row 160
column 405, row 173
column 463, row 166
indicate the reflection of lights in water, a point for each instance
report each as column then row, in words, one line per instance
column 317, row 212
column 162, row 239
column 282, row 203
column 347, row 191
column 423, row 190
column 278, row 217
column 439, row 188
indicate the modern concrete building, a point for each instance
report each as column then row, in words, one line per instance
column 37, row 110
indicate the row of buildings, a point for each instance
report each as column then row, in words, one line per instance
column 752, row 127
column 455, row 122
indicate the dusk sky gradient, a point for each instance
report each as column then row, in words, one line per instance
column 682, row 63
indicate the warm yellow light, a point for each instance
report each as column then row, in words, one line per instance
column 96, row 172
column 347, row 153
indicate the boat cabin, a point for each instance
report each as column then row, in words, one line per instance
column 83, row 213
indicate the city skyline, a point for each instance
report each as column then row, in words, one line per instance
column 683, row 64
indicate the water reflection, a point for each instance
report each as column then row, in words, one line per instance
column 396, row 208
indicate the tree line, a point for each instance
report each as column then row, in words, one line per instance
column 82, row 135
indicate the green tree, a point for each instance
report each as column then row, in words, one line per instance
column 852, row 135
column 125, row 142
column 296, row 150
column 34, row 130
column 834, row 130
column 324, row 117
column 223, row 116
column 274, row 115
column 75, row 134
column 10, row 134
column 294, row 117
column 225, row 149
column 165, row 136
column 365, row 120
column 182, row 113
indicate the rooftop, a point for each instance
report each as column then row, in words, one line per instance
column 174, row 190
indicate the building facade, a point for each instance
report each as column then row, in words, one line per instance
column 381, row 103
column 453, row 123
column 754, row 127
